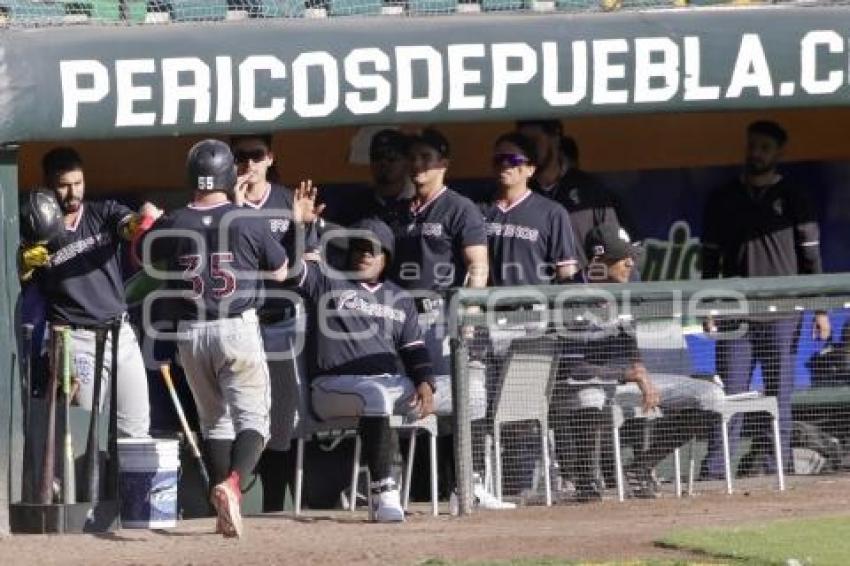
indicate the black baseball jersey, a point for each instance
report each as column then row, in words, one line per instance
column 589, row 204
column 600, row 351
column 218, row 266
column 82, row 282
column 751, row 232
column 357, row 329
column 275, row 208
column 527, row 240
column 430, row 241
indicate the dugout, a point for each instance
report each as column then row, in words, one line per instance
column 621, row 77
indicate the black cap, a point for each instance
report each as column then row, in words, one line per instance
column 609, row 242
column 369, row 229
column 388, row 141
column 434, row 139
column 375, row 231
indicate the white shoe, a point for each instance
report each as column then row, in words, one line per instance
column 486, row 500
column 386, row 505
column 226, row 500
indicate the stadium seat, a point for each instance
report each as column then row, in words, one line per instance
column 354, row 7
column 273, row 8
column 504, row 5
column 420, row 7
column 110, row 11
column 26, row 11
column 576, row 5
column 198, row 10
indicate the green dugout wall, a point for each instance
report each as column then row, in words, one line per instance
column 87, row 82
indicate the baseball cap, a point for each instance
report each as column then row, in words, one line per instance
column 370, row 229
column 433, row 139
column 388, row 141
column 609, row 242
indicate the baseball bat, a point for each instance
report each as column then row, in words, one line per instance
column 26, row 397
column 48, row 462
column 92, row 457
column 69, row 484
column 112, row 436
column 165, row 370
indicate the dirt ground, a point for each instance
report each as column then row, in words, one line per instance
column 603, row 531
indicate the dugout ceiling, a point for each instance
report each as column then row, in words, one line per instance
column 184, row 79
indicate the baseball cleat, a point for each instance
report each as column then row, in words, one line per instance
column 225, row 499
column 386, row 503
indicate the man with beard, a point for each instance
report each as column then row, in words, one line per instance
column 557, row 177
column 79, row 275
column 760, row 224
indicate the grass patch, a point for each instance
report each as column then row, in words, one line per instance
column 555, row 562
column 816, row 542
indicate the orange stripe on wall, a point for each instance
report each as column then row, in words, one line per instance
column 607, row 143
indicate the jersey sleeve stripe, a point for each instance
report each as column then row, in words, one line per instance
column 412, row 344
column 808, row 244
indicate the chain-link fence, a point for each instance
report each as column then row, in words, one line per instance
column 29, row 13
column 588, row 393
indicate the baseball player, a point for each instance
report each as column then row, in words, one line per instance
column 281, row 312
column 601, row 364
column 218, row 255
column 79, row 275
column 760, row 224
column 440, row 241
column 530, row 242
column 389, row 162
column 363, row 326
column 584, row 197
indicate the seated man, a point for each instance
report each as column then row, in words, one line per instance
column 602, row 365
column 362, row 326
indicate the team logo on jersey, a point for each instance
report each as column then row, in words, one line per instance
column 778, row 206
column 279, row 225
column 85, row 245
column 351, row 300
column 434, row 229
column 206, row 220
column 512, row 231
column 573, row 196
column 427, row 229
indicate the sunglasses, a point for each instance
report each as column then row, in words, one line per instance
column 246, row 155
column 366, row 247
column 509, row 159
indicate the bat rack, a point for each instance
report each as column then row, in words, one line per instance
column 98, row 514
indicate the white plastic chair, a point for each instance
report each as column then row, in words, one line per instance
column 664, row 350
column 524, row 396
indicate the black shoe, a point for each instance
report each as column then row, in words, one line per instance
column 642, row 483
column 587, row 492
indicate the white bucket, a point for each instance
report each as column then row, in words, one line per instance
column 148, row 482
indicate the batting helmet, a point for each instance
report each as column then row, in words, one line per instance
column 210, row 166
column 40, row 217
